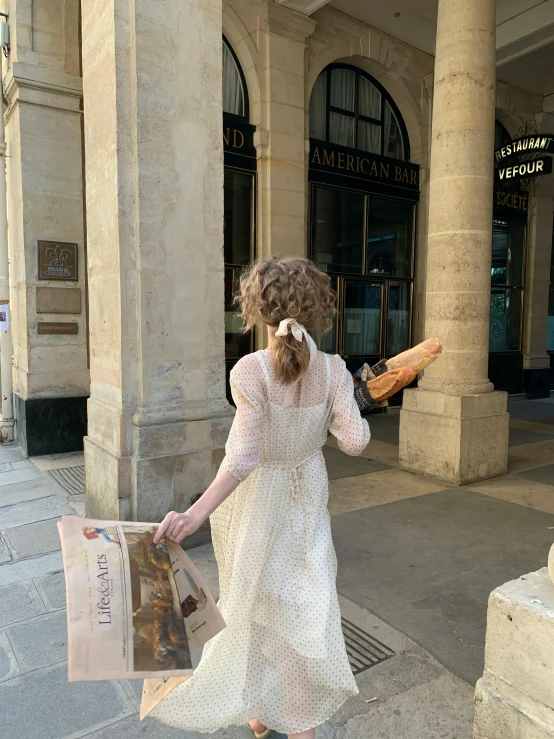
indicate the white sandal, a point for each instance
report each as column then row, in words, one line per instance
column 260, row 734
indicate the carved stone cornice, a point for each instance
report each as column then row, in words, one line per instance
column 287, row 22
column 307, row 7
column 27, row 83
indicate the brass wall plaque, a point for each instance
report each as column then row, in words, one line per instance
column 57, row 261
column 49, row 328
column 58, row 299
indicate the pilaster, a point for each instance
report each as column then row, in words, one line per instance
column 158, row 417
column 282, row 159
column 45, row 203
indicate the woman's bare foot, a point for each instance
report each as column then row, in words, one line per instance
column 257, row 726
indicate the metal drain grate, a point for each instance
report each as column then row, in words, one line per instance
column 71, row 479
column 364, row 651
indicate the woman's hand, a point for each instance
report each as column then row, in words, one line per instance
column 176, row 526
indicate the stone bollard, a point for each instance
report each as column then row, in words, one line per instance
column 515, row 697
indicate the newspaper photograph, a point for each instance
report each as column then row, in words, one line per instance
column 135, row 609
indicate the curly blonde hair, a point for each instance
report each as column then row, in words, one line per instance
column 287, row 287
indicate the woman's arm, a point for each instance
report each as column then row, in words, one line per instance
column 176, row 526
column 346, row 424
column 242, row 452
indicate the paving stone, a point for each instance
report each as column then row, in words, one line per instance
column 540, row 474
column 39, row 642
column 44, row 705
column 531, row 410
column 5, row 555
column 59, row 461
column 340, row 465
column 34, row 538
column 436, row 710
column 19, row 602
column 427, row 565
column 26, row 569
column 8, row 663
column 10, row 453
column 35, row 510
column 24, row 464
column 78, row 507
column 42, row 487
column 52, row 590
column 152, row 729
column 519, row 437
column 13, row 476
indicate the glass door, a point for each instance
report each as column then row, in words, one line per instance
column 506, row 305
column 238, row 247
column 365, row 244
column 362, row 310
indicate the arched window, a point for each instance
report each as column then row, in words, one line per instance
column 235, row 98
column 350, row 108
column 239, row 173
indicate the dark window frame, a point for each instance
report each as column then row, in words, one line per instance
column 341, row 278
column 366, row 195
column 385, row 97
column 252, row 173
column 246, row 116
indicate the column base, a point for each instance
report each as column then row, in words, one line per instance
column 508, row 714
column 168, row 466
column 456, row 439
column 50, row 425
column 515, row 697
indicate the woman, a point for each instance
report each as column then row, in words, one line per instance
column 281, row 663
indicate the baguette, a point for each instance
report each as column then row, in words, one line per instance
column 418, row 357
column 390, row 382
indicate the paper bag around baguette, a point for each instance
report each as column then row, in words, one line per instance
column 418, row 357
column 391, row 382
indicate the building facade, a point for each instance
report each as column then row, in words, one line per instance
column 160, row 147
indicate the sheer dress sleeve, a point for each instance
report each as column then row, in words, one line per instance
column 347, row 425
column 244, row 442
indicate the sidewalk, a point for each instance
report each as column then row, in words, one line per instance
column 417, row 561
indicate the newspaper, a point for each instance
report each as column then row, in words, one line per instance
column 135, row 609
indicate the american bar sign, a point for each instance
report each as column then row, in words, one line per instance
column 238, row 143
column 525, row 151
column 363, row 165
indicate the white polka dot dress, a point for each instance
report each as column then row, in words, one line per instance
column 282, row 658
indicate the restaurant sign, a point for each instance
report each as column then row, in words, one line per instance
column 525, row 145
column 524, row 158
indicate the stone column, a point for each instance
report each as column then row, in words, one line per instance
column 536, row 362
column 453, row 426
column 515, row 697
column 158, row 417
column 282, row 167
column 43, row 89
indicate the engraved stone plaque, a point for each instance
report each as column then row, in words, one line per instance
column 57, row 260
column 49, row 327
column 58, row 299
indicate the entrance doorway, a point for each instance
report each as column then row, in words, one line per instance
column 363, row 196
column 365, row 243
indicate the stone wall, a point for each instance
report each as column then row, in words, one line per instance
column 43, row 89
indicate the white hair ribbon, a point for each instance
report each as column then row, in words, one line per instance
column 299, row 333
